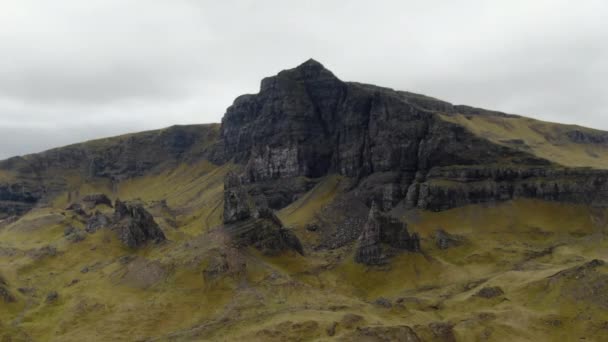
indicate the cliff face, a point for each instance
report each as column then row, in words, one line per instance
column 306, row 122
column 34, row 178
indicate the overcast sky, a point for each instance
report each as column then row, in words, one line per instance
column 77, row 70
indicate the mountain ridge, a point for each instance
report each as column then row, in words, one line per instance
column 317, row 210
column 306, row 122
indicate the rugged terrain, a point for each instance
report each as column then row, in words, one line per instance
column 318, row 210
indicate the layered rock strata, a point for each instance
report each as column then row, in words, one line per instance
column 382, row 230
column 250, row 225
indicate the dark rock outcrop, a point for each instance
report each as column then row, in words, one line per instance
column 18, row 198
column 382, row 229
column 238, row 205
column 93, row 200
column 306, row 122
column 135, row 226
column 97, row 221
column 446, row 188
column 369, row 250
column 444, row 240
column 442, row 331
column 5, row 294
column 36, row 178
column 490, row 292
column 400, row 333
column 52, row 297
column 250, row 225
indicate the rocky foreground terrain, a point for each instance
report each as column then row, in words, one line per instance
column 317, row 210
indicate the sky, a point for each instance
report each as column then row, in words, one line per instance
column 73, row 70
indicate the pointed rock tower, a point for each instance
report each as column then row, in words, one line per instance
column 382, row 230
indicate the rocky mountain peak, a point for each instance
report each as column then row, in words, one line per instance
column 309, row 70
column 311, row 74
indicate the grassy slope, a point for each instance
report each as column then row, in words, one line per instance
column 160, row 292
column 545, row 139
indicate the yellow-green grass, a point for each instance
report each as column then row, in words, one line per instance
column 544, row 139
column 289, row 295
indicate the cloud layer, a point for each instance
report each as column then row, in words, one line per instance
column 76, row 70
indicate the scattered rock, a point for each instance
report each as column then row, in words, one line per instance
column 135, row 225
column 77, row 237
column 68, row 230
column 73, row 234
column 331, row 330
column 77, row 209
column 93, row 200
column 444, row 240
column 350, row 320
column 96, row 222
column 383, row 302
column 73, row 206
column 39, row 253
column 125, row 259
column 142, row 273
column 443, row 331
column 52, row 297
column 312, row 227
column 380, row 229
column 400, row 333
column 73, row 282
column 27, row 290
column 84, row 270
column 490, row 292
column 5, row 294
column 252, row 225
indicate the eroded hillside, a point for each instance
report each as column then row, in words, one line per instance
column 486, row 226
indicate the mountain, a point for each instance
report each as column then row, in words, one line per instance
column 318, row 209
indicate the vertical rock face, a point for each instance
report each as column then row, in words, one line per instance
column 306, row 122
column 18, row 198
column 380, row 229
column 238, row 205
column 249, row 225
column 136, row 226
column 369, row 250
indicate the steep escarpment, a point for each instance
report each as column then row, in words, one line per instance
column 306, row 122
column 254, row 224
column 36, row 178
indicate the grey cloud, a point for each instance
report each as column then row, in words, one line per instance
column 74, row 70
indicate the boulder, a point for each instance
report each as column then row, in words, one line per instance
column 5, row 294
column 52, row 297
column 96, row 222
column 444, row 240
column 135, row 226
column 490, row 292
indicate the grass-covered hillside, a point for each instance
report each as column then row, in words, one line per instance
column 535, row 257
column 568, row 145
